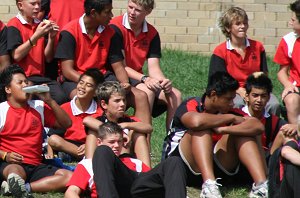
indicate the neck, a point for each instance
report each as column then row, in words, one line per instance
column 28, row 19
column 83, row 104
column 90, row 27
column 238, row 42
column 256, row 114
column 111, row 117
column 17, row 104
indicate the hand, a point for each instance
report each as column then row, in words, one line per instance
column 81, row 150
column 126, row 86
column 153, row 84
column 41, row 30
column 289, row 89
column 44, row 96
column 242, row 92
column 219, row 130
column 166, row 85
column 289, row 130
column 238, row 120
column 48, row 156
column 55, row 29
column 14, row 158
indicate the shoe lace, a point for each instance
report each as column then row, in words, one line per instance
column 212, row 186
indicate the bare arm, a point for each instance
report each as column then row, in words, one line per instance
column 62, row 119
column 49, row 50
column 73, row 192
column 249, row 127
column 121, row 74
column 291, row 155
column 4, row 62
column 283, row 77
column 201, row 121
column 67, row 67
column 90, row 144
column 137, row 126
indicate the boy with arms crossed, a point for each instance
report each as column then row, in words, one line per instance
column 204, row 132
column 113, row 102
column 21, row 125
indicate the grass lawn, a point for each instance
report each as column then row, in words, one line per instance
column 189, row 74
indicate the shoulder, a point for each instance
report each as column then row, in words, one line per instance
column 221, row 48
column 14, row 22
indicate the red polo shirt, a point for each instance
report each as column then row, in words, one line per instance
column 226, row 58
column 75, row 44
column 20, row 31
column 288, row 54
column 137, row 49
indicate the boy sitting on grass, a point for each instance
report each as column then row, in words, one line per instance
column 72, row 144
column 112, row 98
column 111, row 135
column 21, row 125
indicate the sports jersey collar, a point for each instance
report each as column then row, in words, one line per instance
column 125, row 23
column 83, row 29
column 246, row 110
column 230, row 47
column 76, row 111
column 23, row 21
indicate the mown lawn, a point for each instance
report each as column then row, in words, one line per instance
column 189, row 74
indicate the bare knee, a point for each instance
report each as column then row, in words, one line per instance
column 55, row 141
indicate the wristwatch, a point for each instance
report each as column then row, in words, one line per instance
column 143, row 79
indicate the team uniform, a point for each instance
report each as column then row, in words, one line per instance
column 225, row 58
column 114, row 179
column 137, row 49
column 75, row 44
column 33, row 63
column 83, row 174
column 25, row 137
column 77, row 132
column 3, row 39
column 71, row 9
column 286, row 55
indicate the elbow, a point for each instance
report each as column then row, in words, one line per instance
column 149, row 129
column 68, row 124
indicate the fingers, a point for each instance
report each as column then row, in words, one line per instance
column 14, row 158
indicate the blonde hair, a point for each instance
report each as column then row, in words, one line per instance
column 146, row 4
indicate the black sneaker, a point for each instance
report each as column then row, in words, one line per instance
column 17, row 186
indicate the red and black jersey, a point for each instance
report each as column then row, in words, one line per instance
column 74, row 44
column 3, row 39
column 226, row 58
column 137, row 49
column 19, row 32
column 287, row 54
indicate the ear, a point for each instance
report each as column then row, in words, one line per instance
column 213, row 95
column 103, row 104
column 20, row 5
column 99, row 142
column 247, row 98
column 93, row 13
column 7, row 90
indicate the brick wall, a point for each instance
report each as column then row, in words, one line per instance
column 191, row 25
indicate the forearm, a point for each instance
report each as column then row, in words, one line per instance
column 133, row 74
column 49, row 50
column 120, row 72
column 283, row 76
column 92, row 123
column 21, row 51
column 90, row 144
column 291, row 155
column 4, row 62
column 138, row 127
column 61, row 116
column 68, row 71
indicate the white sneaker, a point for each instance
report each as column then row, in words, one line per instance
column 210, row 189
column 5, row 189
column 260, row 191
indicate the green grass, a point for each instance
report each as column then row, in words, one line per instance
column 188, row 73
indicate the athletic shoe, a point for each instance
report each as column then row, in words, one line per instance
column 5, row 189
column 17, row 186
column 260, row 191
column 210, row 189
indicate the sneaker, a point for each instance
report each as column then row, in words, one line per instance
column 5, row 189
column 260, row 191
column 210, row 189
column 17, row 186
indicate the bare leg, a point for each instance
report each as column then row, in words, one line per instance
column 57, row 182
column 292, row 103
column 59, row 144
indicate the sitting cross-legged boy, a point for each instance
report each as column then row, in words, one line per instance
column 72, row 142
column 277, row 131
column 112, row 99
column 109, row 135
column 213, row 139
column 21, row 125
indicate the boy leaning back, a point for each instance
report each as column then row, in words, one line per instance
column 21, row 125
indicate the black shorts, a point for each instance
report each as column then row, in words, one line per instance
column 33, row 173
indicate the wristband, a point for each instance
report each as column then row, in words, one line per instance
column 4, row 156
column 143, row 79
column 31, row 43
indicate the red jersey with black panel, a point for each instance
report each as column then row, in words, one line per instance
column 287, row 54
column 226, row 58
column 76, row 132
column 75, row 44
column 21, row 129
column 19, row 32
column 137, row 49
